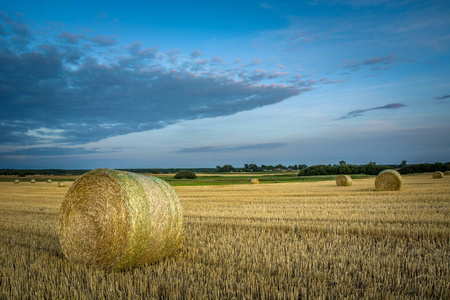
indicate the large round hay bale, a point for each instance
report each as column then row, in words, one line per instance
column 438, row 174
column 32, row 180
column 49, row 181
column 119, row 220
column 16, row 181
column 447, row 173
column 254, row 181
column 388, row 180
column 344, row 180
column 61, row 184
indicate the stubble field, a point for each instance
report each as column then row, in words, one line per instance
column 268, row 241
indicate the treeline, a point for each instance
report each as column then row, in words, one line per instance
column 256, row 168
column 425, row 168
column 25, row 172
column 373, row 169
column 369, row 169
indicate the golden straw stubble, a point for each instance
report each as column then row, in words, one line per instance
column 344, row 180
column 388, row 180
column 119, row 220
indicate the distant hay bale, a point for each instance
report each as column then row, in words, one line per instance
column 344, row 180
column 438, row 174
column 119, row 220
column 32, row 180
column 388, row 180
column 49, row 181
column 447, row 173
column 16, row 181
column 61, row 184
column 254, row 181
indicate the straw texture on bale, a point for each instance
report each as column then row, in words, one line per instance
column 119, row 220
column 254, row 181
column 447, row 173
column 438, row 174
column 32, row 180
column 388, row 180
column 344, row 180
column 16, row 181
column 49, row 181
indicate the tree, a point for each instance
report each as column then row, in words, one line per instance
column 403, row 164
column 342, row 163
column 301, row 167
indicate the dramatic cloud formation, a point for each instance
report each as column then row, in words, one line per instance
column 74, row 90
column 359, row 112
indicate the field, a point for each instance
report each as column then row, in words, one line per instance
column 269, row 241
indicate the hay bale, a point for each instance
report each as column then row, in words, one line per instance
column 119, row 220
column 344, row 180
column 16, row 181
column 32, row 180
column 438, row 174
column 49, row 181
column 254, row 181
column 61, row 184
column 447, row 173
column 388, row 180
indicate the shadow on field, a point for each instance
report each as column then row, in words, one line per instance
column 35, row 239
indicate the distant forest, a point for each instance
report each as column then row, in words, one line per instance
column 342, row 168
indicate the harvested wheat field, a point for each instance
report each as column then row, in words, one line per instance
column 266, row 241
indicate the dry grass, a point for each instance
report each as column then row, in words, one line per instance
column 273, row 241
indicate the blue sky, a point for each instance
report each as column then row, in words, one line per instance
column 154, row 84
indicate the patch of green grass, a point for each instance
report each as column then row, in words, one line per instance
column 263, row 179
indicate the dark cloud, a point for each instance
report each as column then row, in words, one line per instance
column 196, row 53
column 359, row 112
column 440, row 98
column 380, row 60
column 69, row 38
column 75, row 94
column 104, row 41
column 376, row 62
column 228, row 148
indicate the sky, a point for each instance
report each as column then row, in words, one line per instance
column 187, row 84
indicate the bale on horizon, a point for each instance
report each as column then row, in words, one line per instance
column 32, row 180
column 119, row 220
column 16, row 180
column 344, row 180
column 388, row 180
column 49, row 181
column 254, row 181
column 61, row 184
column 438, row 174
